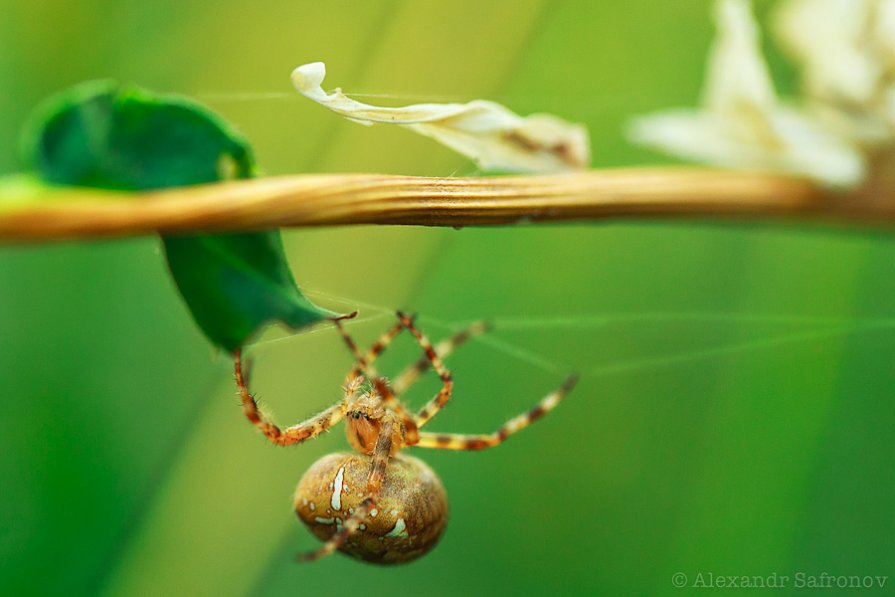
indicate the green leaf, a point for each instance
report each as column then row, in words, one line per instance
column 103, row 135
column 99, row 134
column 250, row 279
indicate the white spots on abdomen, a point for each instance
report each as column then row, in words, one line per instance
column 400, row 529
column 336, row 500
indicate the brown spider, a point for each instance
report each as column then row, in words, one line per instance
column 376, row 504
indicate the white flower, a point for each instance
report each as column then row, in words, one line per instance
column 846, row 51
column 742, row 124
column 490, row 134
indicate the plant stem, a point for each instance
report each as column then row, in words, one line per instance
column 345, row 199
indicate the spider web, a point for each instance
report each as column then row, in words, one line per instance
column 811, row 328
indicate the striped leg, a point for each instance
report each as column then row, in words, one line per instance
column 443, row 395
column 374, row 485
column 453, row 441
column 354, row 377
column 363, row 364
column 291, row 435
column 443, row 349
column 382, row 387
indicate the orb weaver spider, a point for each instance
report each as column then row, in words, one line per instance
column 376, row 504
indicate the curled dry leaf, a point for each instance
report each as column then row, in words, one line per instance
column 488, row 133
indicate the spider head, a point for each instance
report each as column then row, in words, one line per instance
column 366, row 406
column 364, row 419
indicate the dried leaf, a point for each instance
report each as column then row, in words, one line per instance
column 490, row 134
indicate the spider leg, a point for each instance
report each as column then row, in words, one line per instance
column 374, row 485
column 362, row 364
column 291, row 435
column 454, row 441
column 373, row 353
column 443, row 395
column 443, row 349
column 385, row 392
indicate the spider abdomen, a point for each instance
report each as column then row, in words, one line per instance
column 410, row 513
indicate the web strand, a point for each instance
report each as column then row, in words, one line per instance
column 819, row 328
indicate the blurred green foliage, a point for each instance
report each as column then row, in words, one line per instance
column 102, row 134
column 734, row 414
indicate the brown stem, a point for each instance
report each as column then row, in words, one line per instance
column 343, row 199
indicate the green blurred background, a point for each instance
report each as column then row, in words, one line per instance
column 735, row 412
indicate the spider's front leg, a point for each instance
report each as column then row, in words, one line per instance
column 444, row 394
column 364, row 364
column 291, row 435
column 379, row 463
column 443, row 349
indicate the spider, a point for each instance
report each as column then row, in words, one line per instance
column 376, row 504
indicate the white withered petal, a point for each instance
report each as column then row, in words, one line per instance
column 490, row 134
